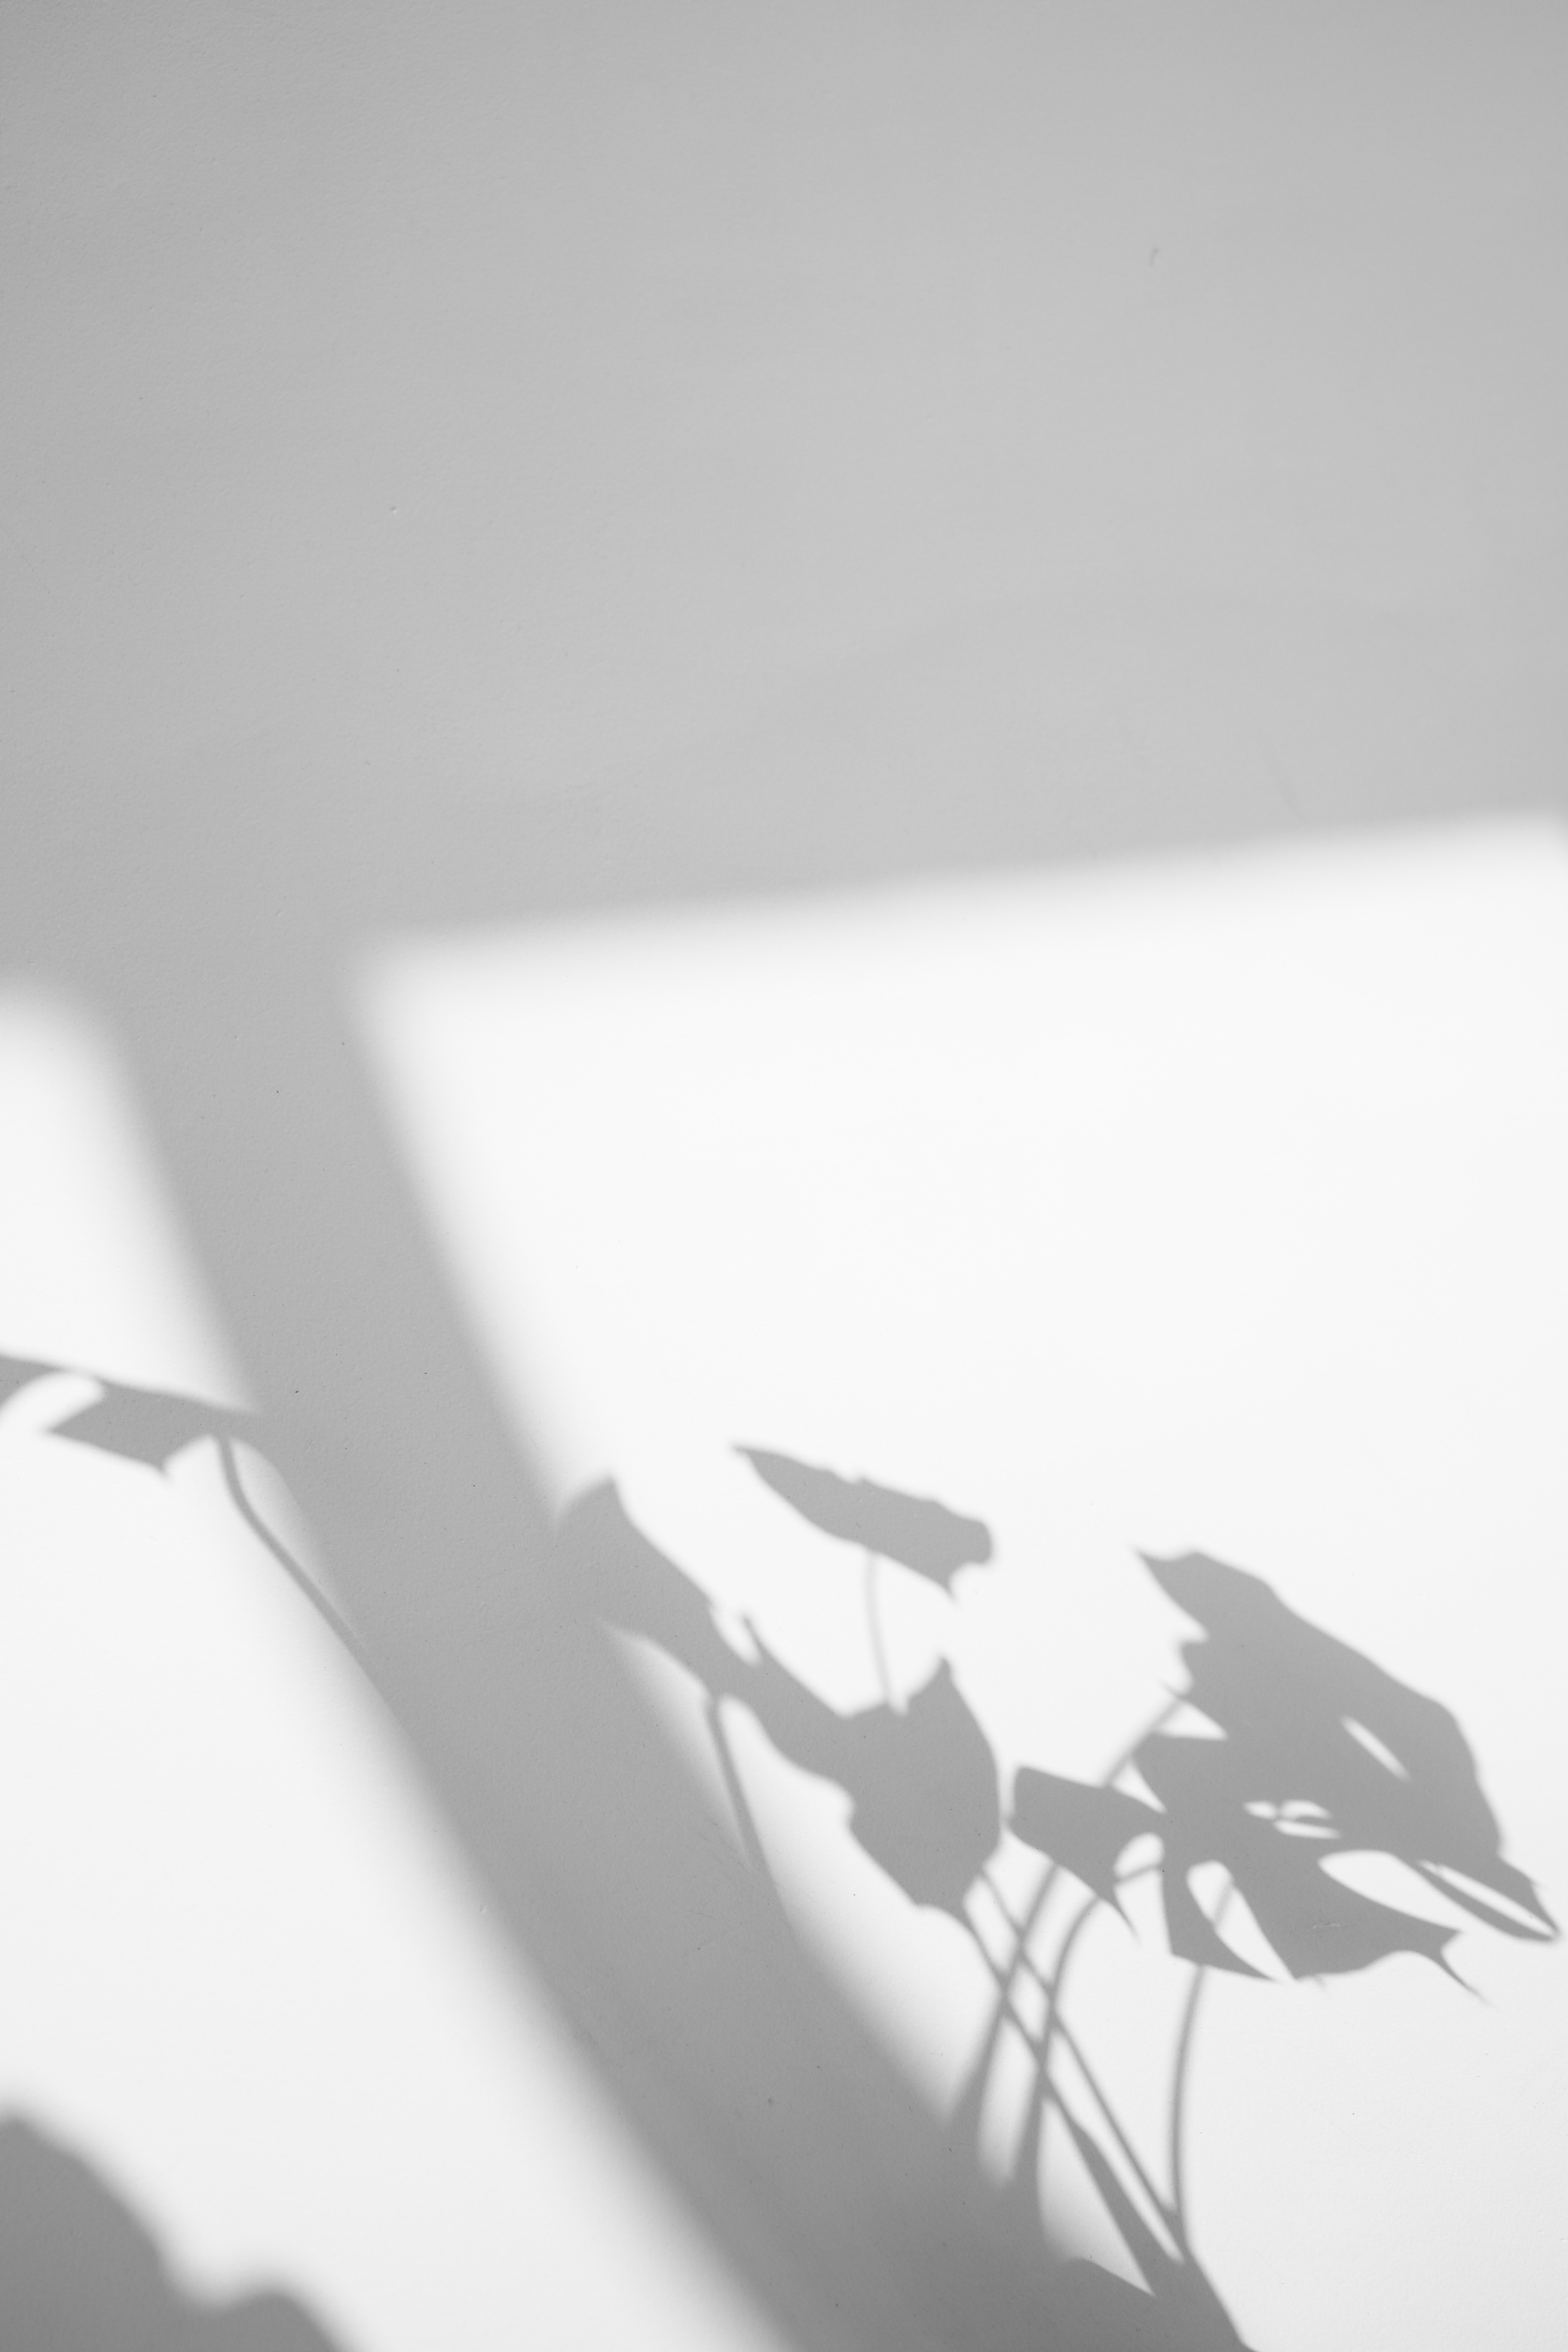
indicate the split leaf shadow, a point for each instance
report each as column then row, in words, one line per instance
column 1323, row 1754
column 1314, row 1752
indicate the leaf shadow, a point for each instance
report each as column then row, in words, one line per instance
column 921, row 1780
column 1315, row 1751
column 921, row 1533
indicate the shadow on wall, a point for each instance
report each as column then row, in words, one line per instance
column 205, row 886
column 1285, row 1750
column 81, row 2272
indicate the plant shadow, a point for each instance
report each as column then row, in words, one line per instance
column 80, row 2271
column 1309, row 1752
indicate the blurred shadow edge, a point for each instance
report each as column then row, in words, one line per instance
column 80, row 2272
column 822, row 2181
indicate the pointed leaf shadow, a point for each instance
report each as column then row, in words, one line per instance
column 923, row 1783
column 1084, row 1828
column 921, row 1534
column 151, row 1425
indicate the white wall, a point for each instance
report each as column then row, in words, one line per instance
column 468, row 466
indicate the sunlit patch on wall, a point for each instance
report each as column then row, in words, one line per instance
column 1192, row 1235
column 256, row 2028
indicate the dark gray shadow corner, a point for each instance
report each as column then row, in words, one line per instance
column 80, row 2271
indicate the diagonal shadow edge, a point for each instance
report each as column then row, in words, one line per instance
column 214, row 925
column 812, row 2164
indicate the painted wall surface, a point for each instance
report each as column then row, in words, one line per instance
column 784, row 967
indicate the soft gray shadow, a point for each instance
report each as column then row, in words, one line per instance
column 212, row 913
column 80, row 2272
column 925, row 1806
column 1322, row 1754
column 917, row 1532
column 1312, row 1751
column 958, row 534
column 920, row 1777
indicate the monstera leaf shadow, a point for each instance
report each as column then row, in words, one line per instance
column 1312, row 1752
column 1321, row 1754
column 711, row 1936
column 923, row 1790
column 80, row 2272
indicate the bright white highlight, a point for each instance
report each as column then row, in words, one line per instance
column 1216, row 1204
column 242, row 1975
